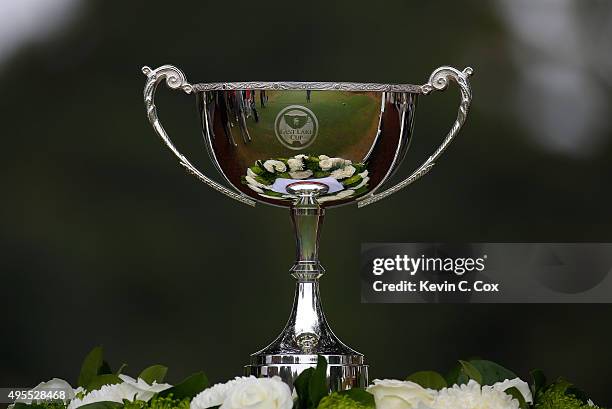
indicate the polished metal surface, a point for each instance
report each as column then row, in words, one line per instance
column 307, row 146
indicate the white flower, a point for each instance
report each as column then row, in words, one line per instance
column 342, row 173
column 55, row 384
column 517, row 383
column 216, row 394
column 394, row 394
column 363, row 182
column 274, row 165
column 146, row 391
column 129, row 389
column 295, row 164
column 111, row 393
column 323, row 157
column 473, row 396
column 259, row 393
column 301, row 156
column 301, row 174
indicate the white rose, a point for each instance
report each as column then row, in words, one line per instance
column 342, row 173
column 259, row 393
column 323, row 157
column 216, row 394
column 473, row 396
column 302, row 174
column 295, row 164
column 394, row 394
column 517, row 383
column 274, row 165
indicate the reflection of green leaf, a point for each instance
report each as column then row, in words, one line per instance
column 91, row 365
column 428, row 379
column 361, row 396
column 470, row 371
column 188, row 388
column 352, row 181
column 154, row 373
column 321, row 174
column 516, row 394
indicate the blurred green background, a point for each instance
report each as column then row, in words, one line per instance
column 105, row 240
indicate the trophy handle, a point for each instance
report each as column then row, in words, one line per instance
column 438, row 81
column 175, row 79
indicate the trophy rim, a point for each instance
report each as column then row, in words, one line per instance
column 308, row 86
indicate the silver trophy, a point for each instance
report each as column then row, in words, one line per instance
column 307, row 146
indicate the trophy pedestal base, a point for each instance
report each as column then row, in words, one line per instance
column 343, row 371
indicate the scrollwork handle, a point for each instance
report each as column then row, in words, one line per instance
column 175, row 79
column 438, row 81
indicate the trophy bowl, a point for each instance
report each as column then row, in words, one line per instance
column 307, row 146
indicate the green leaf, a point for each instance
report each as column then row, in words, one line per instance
column 491, row 372
column 516, row 394
column 104, row 368
column 317, row 387
column 99, row 381
column 91, row 366
column 360, row 395
column 453, row 377
column 154, row 373
column 301, row 388
column 538, row 381
column 102, row 405
column 470, row 371
column 188, row 388
column 428, row 379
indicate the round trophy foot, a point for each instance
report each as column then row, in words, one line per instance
column 343, row 371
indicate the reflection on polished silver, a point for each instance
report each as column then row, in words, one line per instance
column 307, row 146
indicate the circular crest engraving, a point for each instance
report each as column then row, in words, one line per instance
column 296, row 127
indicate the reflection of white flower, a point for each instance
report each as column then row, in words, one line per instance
column 342, row 173
column 473, row 396
column 328, row 163
column 295, row 164
column 364, row 182
column 216, row 394
column 301, row 174
column 274, row 165
column 251, row 181
column 517, row 383
column 255, row 188
column 251, row 173
column 259, row 393
column 363, row 174
column 394, row 394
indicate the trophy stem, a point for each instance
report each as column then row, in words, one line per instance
column 307, row 333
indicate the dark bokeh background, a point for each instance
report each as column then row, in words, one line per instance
column 105, row 240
